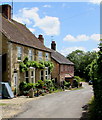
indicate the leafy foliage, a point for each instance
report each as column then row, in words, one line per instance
column 81, row 60
column 96, row 76
column 25, row 87
column 78, row 79
column 26, row 64
column 67, row 84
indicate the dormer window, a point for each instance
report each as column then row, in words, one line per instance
column 30, row 55
column 19, row 53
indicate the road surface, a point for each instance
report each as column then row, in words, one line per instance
column 67, row 104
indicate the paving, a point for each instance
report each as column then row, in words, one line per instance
column 11, row 107
column 67, row 104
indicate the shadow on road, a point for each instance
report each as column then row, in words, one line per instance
column 84, row 113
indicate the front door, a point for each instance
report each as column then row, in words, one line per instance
column 42, row 75
column 15, row 79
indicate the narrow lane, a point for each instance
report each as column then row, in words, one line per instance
column 67, row 104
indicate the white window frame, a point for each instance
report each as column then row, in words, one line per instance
column 19, row 53
column 46, row 56
column 30, row 55
column 40, row 55
column 46, row 75
column 32, row 77
column 42, row 75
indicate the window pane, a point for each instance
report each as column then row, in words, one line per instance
column 30, row 55
column 26, row 73
column 19, row 53
column 32, row 73
column 27, row 80
column 40, row 55
column 46, row 56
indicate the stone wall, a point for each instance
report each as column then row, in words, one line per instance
column 56, row 71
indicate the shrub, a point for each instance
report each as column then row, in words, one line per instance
column 75, row 84
column 67, row 84
column 24, row 87
column 29, row 86
column 40, row 83
column 78, row 79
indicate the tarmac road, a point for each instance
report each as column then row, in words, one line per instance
column 67, row 104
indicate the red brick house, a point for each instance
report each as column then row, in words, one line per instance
column 64, row 68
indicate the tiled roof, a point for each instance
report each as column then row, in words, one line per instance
column 18, row 33
column 60, row 58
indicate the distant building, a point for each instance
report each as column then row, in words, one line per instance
column 64, row 68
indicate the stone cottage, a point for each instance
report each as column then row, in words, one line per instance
column 17, row 43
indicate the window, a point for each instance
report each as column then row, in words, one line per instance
column 46, row 74
column 19, row 54
column 27, row 76
column 66, row 68
column 30, row 55
column 32, row 76
column 46, row 56
column 62, row 67
column 39, row 55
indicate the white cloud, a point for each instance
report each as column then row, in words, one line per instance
column 68, row 50
column 95, row 37
column 96, row 49
column 22, row 20
column 50, row 25
column 82, row 37
column 31, row 29
column 47, row 6
column 95, row 1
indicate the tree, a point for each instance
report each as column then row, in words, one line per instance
column 96, row 76
column 82, row 60
column 76, row 58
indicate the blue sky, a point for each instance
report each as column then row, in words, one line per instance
column 73, row 25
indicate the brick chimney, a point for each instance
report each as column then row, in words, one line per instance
column 53, row 45
column 5, row 10
column 41, row 38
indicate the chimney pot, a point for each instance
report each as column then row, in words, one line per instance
column 53, row 45
column 6, row 11
column 40, row 37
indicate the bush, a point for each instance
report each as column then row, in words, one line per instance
column 24, row 87
column 66, row 84
column 78, row 79
column 96, row 77
column 40, row 84
column 49, row 84
column 75, row 84
column 29, row 86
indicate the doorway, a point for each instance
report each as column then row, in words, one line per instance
column 42, row 75
column 15, row 79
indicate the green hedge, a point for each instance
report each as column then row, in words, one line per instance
column 96, row 76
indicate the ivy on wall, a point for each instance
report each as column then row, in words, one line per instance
column 26, row 64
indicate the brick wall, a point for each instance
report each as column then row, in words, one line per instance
column 66, row 69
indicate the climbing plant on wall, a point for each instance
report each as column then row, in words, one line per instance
column 26, row 64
